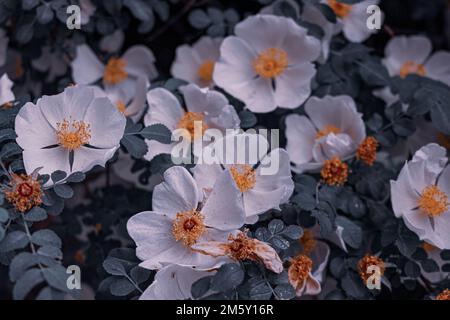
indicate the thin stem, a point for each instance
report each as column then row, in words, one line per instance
column 133, row 283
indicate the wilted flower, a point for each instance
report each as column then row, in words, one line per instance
column 364, row 265
column 268, row 64
column 72, row 131
column 444, row 295
column 195, row 64
column 420, row 195
column 333, row 128
column 167, row 234
column 240, row 247
column 23, row 191
column 367, row 151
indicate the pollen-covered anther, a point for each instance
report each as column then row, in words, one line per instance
column 340, row 9
column 444, row 295
column 72, row 135
column 370, row 261
column 188, row 227
column 326, row 131
column 411, row 67
column 334, row 172
column 308, row 242
column 194, row 123
column 121, row 106
column 271, row 63
column 115, row 71
column 23, row 192
column 206, row 70
column 367, row 151
column 299, row 270
column 241, row 247
column 244, row 175
column 433, row 201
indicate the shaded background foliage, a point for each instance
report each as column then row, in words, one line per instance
column 92, row 233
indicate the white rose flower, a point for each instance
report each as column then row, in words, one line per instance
column 420, row 195
column 119, row 75
column 6, row 94
column 72, row 131
column 195, row 64
column 209, row 107
column 166, row 234
column 331, row 128
column 268, row 64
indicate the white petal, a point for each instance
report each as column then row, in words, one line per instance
column 156, row 148
column 208, row 48
column 300, row 134
column 205, row 176
column 113, row 42
column 6, row 95
column 293, row 86
column 173, row 282
column 140, row 62
column 444, row 181
column 50, row 160
column 32, row 129
column 178, row 192
column 106, row 122
column 186, row 64
column 203, row 100
column 84, row 159
column 438, row 67
column 86, row 68
column 223, row 208
column 164, row 108
column 137, row 105
column 259, row 201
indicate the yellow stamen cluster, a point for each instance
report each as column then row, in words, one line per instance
column 115, row 71
column 271, row 63
column 240, row 247
column 72, row 135
column 188, row 226
column 433, row 201
column 367, row 151
column 192, row 121
column 299, row 270
column 206, row 70
column 308, row 242
column 23, row 192
column 341, row 10
column 121, row 106
column 244, row 175
column 326, row 131
column 444, row 295
column 366, row 262
column 334, row 172
column 411, row 67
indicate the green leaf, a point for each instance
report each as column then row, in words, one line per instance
column 134, row 145
column 121, row 287
column 58, row 175
column 50, row 251
column 285, row 291
column 76, row 177
column 26, row 283
column 374, row 73
column 199, row 19
column 139, row 274
column 158, row 132
column 353, row 286
column 7, row 134
column 293, row 232
column 36, row 214
column 352, row 233
column 114, row 266
column 200, row 287
column 63, row 191
column 56, row 277
column 46, row 237
column 44, row 14
column 248, row 119
column 275, row 226
column 228, row 276
column 139, row 9
column 4, row 215
column 14, row 240
column 20, row 264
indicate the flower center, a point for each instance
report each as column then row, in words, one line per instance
column 244, row 176
column 326, row 131
column 444, row 295
column 308, row 242
column 240, row 247
column 443, row 140
column 340, row 9
column 193, row 122
column 73, row 134
column 433, row 201
column 205, row 71
column 334, row 172
column 188, row 226
column 23, row 192
column 363, row 267
column 121, row 106
column 411, row 67
column 271, row 63
column 299, row 269
column 115, row 71
column 367, row 151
